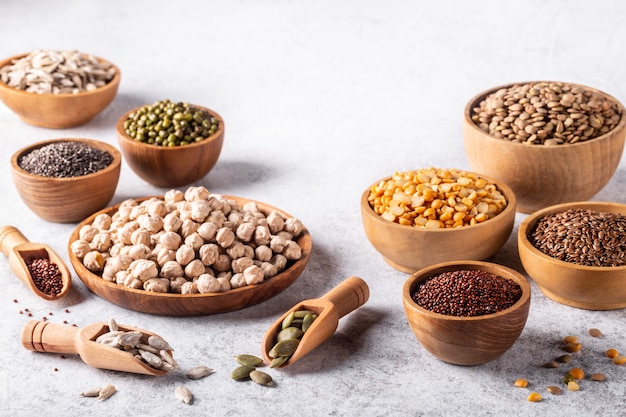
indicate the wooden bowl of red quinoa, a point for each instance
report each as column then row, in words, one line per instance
column 586, row 267
column 466, row 312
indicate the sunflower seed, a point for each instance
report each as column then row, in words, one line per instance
column 106, row 392
column 183, row 394
column 198, row 372
column 93, row 392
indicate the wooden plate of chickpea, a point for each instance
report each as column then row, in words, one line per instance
column 189, row 253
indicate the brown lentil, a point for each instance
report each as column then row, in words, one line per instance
column 554, row 390
column 467, row 293
column 595, row 333
column 65, row 160
column 598, row 377
column 546, row 113
column 436, row 198
column 583, row 237
column 46, row 276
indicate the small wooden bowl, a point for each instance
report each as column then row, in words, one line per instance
column 409, row 249
column 172, row 304
column 466, row 340
column 540, row 175
column 169, row 167
column 67, row 200
column 586, row 287
column 58, row 111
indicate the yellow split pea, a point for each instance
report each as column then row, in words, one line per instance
column 436, row 198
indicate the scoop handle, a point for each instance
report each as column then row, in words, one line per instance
column 42, row 336
column 10, row 237
column 349, row 295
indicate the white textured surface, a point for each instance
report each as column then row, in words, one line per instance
column 320, row 100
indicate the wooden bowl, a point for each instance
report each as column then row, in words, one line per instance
column 541, row 175
column 58, row 111
column 586, row 287
column 409, row 249
column 171, row 166
column 67, row 200
column 172, row 304
column 466, row 340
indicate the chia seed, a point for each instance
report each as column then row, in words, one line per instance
column 65, row 160
column 467, row 293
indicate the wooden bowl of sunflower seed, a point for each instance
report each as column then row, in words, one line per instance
column 189, row 253
column 57, row 89
column 576, row 253
column 551, row 142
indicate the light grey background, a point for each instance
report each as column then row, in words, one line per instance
column 320, row 100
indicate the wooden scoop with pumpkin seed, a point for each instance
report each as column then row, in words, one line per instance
column 309, row 323
column 43, row 336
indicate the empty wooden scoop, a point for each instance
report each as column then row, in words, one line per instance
column 21, row 252
column 42, row 336
column 349, row 295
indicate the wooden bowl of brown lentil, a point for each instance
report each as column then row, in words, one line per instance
column 551, row 142
column 175, row 300
column 576, row 253
column 420, row 218
column 66, row 180
column 484, row 310
column 89, row 85
column 179, row 164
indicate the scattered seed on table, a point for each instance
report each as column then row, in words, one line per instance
column 611, row 353
column 534, row 397
column 599, row 377
column 573, row 386
column 554, row 390
column 521, row 383
column 595, row 332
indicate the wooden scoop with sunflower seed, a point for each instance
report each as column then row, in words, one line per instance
column 42, row 336
column 318, row 321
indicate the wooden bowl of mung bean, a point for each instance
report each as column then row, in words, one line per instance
column 551, row 142
column 165, row 153
column 576, row 253
column 58, row 89
column 427, row 216
column 66, row 180
column 486, row 311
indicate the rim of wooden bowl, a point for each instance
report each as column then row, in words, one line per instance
column 467, row 114
column 529, row 222
column 503, row 188
column 173, row 304
column 119, row 127
column 113, row 83
column 112, row 150
column 436, row 269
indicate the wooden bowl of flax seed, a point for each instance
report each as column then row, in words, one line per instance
column 576, row 253
column 551, row 142
column 432, row 215
column 57, row 89
column 66, row 180
column 485, row 310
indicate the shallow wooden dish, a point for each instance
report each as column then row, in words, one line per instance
column 409, row 249
column 58, row 111
column 67, row 200
column 541, row 176
column 171, row 304
column 169, row 167
column 466, row 340
column 587, row 287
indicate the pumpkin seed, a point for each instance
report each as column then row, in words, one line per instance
column 289, row 333
column 300, row 314
column 249, row 360
column 241, row 372
column 278, row 361
column 288, row 320
column 285, row 347
column 261, row 378
column 307, row 321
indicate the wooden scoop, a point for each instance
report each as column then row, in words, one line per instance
column 349, row 295
column 20, row 252
column 42, row 336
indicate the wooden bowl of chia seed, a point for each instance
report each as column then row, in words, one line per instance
column 576, row 253
column 66, row 180
column 484, row 310
column 57, row 89
column 551, row 142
